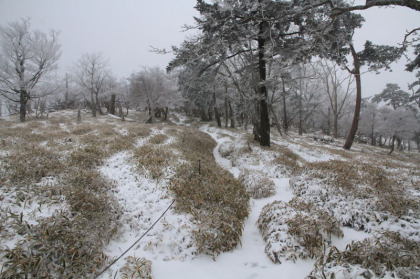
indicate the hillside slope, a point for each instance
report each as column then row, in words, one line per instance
column 74, row 196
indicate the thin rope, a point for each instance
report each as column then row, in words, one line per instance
column 97, row 276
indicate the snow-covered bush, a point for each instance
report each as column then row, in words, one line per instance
column 360, row 195
column 296, row 230
column 226, row 148
column 70, row 242
column 387, row 255
column 136, row 268
column 287, row 159
column 257, row 184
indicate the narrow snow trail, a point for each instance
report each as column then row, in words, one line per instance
column 250, row 260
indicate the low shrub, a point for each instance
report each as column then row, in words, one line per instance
column 226, row 148
column 296, row 230
column 386, row 255
column 257, row 184
column 68, row 244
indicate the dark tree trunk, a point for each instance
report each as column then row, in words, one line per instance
column 232, row 116
column 328, row 131
column 166, row 113
column 210, row 114
column 285, row 119
column 112, row 105
column 203, row 115
column 98, row 105
column 23, row 103
column 392, row 145
column 217, row 115
column 92, row 104
column 264, row 125
column 216, row 111
column 246, row 121
column 226, row 112
column 355, row 124
column 335, row 132
column 300, row 119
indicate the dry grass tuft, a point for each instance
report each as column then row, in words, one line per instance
column 87, row 157
column 153, row 158
column 158, row 139
column 31, row 163
column 139, row 130
column 217, row 201
column 136, row 268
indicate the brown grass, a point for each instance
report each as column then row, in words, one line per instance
column 218, row 201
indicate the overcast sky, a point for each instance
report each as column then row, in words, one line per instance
column 124, row 30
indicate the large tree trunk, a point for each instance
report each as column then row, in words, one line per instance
column 23, row 102
column 264, row 125
column 98, row 104
column 92, row 105
column 335, row 126
column 216, row 111
column 355, row 123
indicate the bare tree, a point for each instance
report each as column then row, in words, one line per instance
column 153, row 87
column 25, row 61
column 338, row 88
column 92, row 73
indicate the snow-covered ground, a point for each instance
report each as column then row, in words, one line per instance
column 169, row 246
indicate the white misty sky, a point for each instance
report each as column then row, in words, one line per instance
column 124, row 30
